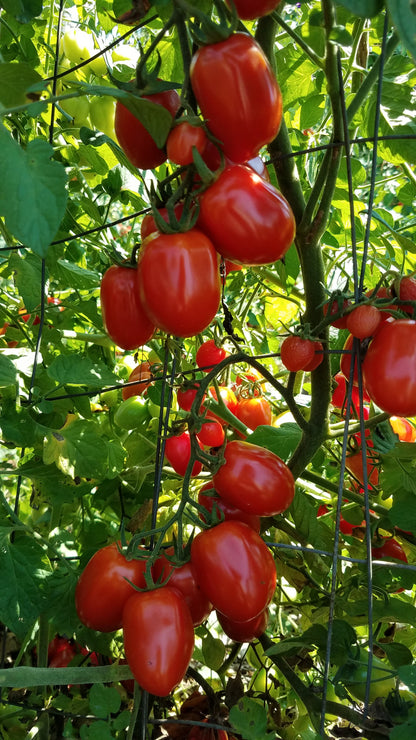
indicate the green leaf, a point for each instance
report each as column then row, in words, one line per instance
column 281, row 440
column 407, row 674
column 7, row 372
column 249, row 718
column 390, row 610
column 60, row 601
column 76, row 370
column 363, row 8
column 403, row 512
column 96, row 731
column 404, row 18
column 104, row 700
column 33, row 195
column 76, row 277
column 25, row 569
column 405, row 731
column 78, row 450
column 28, row 278
column 397, row 654
column 15, row 79
column 309, row 527
column 23, row 10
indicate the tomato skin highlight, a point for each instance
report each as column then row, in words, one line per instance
column 183, row 578
column 247, row 219
column 208, row 498
column 226, row 78
column 158, row 639
column 244, row 631
column 102, row 588
column 389, row 368
column 134, row 139
column 254, row 479
column 179, row 282
column 235, row 569
column 124, row 317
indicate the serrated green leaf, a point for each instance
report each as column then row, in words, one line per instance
column 78, row 450
column 404, row 18
column 249, row 718
column 25, row 569
column 33, row 195
column 104, row 700
column 407, row 674
column 281, row 440
column 15, row 79
column 76, row 370
column 7, row 371
column 363, row 8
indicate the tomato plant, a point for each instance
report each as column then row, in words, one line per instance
column 185, row 297
column 103, row 588
column 388, row 368
column 254, row 479
column 209, row 499
column 124, row 315
column 183, row 578
column 241, row 73
column 178, row 454
column 248, row 220
column 235, row 569
column 133, row 137
column 158, row 638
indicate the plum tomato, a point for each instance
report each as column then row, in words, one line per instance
column 158, row 638
column 389, row 368
column 254, row 411
column 209, row 354
column 211, row 433
column 244, row 631
column 249, row 10
column 247, row 219
column 405, row 290
column 181, row 141
column 178, row 453
column 183, row 578
column 124, row 316
column 254, row 479
column 142, row 378
column 185, row 396
column 235, row 568
column 103, row 588
column 136, row 142
column 226, row 78
column 209, row 499
column 317, row 358
column 179, row 281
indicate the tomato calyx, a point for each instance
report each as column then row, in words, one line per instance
column 207, row 31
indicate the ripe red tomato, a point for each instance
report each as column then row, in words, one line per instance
column 60, row 652
column 133, row 137
column 244, row 631
column 254, row 411
column 334, row 307
column 124, row 317
column 248, row 219
column 228, row 397
column 317, row 358
column 185, row 396
column 248, row 10
column 389, row 549
column 148, row 225
column 345, row 527
column 354, row 463
column 363, row 321
column 405, row 290
column 158, row 638
column 208, row 498
column 346, row 359
column 226, row 78
column 178, row 454
column 179, row 282
column 296, row 353
column 389, row 368
column 254, row 479
column 183, row 578
column 103, row 588
column 339, row 395
column 211, row 433
column 209, row 354
column 181, row 141
column 143, row 377
column 235, row 569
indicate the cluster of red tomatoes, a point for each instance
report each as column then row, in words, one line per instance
column 242, row 217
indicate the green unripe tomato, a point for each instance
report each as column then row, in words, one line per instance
column 77, row 45
column 78, row 109
column 132, row 413
column 102, row 111
column 98, row 66
column 110, row 398
column 354, row 677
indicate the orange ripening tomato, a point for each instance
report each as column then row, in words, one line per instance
column 405, row 431
column 136, row 142
column 254, row 412
column 179, row 281
column 124, row 316
column 158, row 638
column 142, row 378
column 103, row 588
column 226, row 78
column 354, row 464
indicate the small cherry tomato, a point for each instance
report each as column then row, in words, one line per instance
column 181, row 141
column 336, row 306
column 158, row 638
column 248, row 10
column 235, row 569
column 254, row 479
column 185, row 396
column 209, row 354
column 124, row 316
column 296, row 353
column 103, row 588
column 317, row 358
column 363, row 321
column 211, row 433
column 405, row 290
